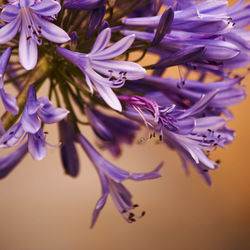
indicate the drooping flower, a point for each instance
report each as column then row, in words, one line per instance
column 111, row 178
column 112, row 131
column 9, row 101
column 97, row 63
column 29, row 124
column 29, row 16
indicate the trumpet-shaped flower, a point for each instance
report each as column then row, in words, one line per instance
column 29, row 16
column 111, row 178
column 96, row 63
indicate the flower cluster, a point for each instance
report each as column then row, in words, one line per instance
column 84, row 62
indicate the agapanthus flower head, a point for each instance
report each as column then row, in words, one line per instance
column 97, row 63
column 205, row 40
column 30, row 17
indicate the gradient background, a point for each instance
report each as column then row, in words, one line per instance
column 43, row 209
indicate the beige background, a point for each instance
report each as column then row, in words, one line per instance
column 43, row 209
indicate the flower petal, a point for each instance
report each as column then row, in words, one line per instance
column 37, row 145
column 26, row 3
column 27, row 50
column 115, row 49
column 49, row 114
column 46, row 8
column 101, row 41
column 109, row 96
column 9, row 13
column 50, row 31
column 8, row 31
column 9, row 102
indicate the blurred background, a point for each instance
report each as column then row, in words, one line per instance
column 43, row 209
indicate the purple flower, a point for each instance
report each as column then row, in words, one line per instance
column 112, row 131
column 183, row 130
column 29, row 17
column 111, row 178
column 29, row 124
column 9, row 101
column 96, row 63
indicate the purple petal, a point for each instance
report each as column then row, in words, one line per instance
column 109, row 96
column 101, row 41
column 147, row 176
column 37, row 145
column 8, row 31
column 115, row 49
column 27, row 49
column 50, row 31
column 4, row 59
column 101, row 202
column 26, row 3
column 9, row 102
column 49, row 114
column 9, row 13
column 46, row 8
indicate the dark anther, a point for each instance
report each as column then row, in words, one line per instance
column 215, row 144
column 143, row 213
column 5, row 142
column 205, row 170
column 132, row 220
column 211, row 141
column 45, row 132
column 39, row 26
column 28, row 37
column 135, row 205
column 178, row 87
column 29, row 26
column 124, row 211
column 160, row 137
column 183, row 82
column 218, row 161
column 204, row 136
column 209, row 130
column 11, row 133
column 218, row 136
column 112, row 78
column 110, row 71
column 39, row 31
column 34, row 32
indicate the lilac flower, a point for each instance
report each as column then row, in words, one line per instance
column 183, row 130
column 112, row 131
column 84, row 4
column 111, row 178
column 9, row 101
column 29, row 124
column 29, row 16
column 96, row 61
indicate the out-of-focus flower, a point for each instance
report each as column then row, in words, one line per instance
column 112, row 131
column 96, row 63
column 29, row 16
